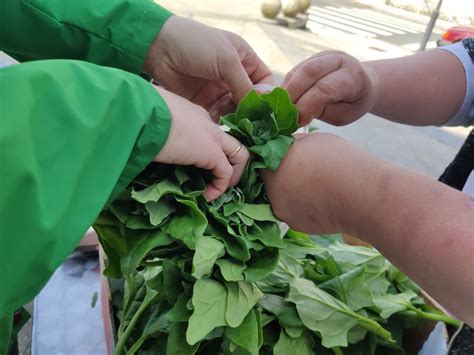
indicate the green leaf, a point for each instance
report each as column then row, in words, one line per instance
column 252, row 107
column 176, row 344
column 287, row 345
column 326, row 240
column 246, row 335
column 159, row 211
column 188, row 223
column 235, row 245
column 286, row 113
column 261, row 264
column 357, row 333
column 157, row 323
column 331, row 318
column 258, row 316
column 241, row 297
column 364, row 347
column 182, row 174
column 114, row 245
column 246, row 126
column 268, row 233
column 209, row 301
column 284, row 311
column 231, row 271
column 293, row 332
column 208, row 250
column 349, row 256
column 140, row 245
column 258, row 212
column 139, row 221
column 154, row 193
column 273, row 151
column 389, row 304
column 231, row 208
column 171, row 281
column 351, row 288
column 402, row 281
column 287, row 269
column 179, row 312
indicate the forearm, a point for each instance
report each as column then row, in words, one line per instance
column 326, row 185
column 426, row 229
column 65, row 150
column 116, row 33
column 423, row 89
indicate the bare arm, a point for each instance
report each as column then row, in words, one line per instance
column 422, row 226
column 423, row 89
column 427, row 229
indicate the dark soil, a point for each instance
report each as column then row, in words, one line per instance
column 463, row 344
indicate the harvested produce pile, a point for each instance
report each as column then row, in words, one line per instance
column 211, row 278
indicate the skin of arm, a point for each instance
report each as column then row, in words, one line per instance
column 424, row 227
column 423, row 89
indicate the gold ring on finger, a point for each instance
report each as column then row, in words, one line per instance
column 235, row 152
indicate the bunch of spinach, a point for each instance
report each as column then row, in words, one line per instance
column 330, row 295
column 217, row 277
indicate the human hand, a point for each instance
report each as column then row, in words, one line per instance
column 331, row 86
column 195, row 140
column 321, row 185
column 204, row 64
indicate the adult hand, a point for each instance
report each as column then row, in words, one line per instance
column 203, row 64
column 195, row 140
column 331, row 86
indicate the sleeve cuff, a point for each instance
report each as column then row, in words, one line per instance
column 465, row 114
column 150, row 19
column 150, row 141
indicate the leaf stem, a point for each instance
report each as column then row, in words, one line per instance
column 436, row 317
column 376, row 328
column 124, row 337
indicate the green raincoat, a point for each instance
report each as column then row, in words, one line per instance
column 72, row 134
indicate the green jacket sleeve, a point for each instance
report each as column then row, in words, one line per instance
column 114, row 33
column 72, row 136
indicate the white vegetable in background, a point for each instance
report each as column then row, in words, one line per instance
column 270, row 8
column 291, row 8
column 304, row 5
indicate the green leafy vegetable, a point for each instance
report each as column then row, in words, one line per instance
column 208, row 250
column 210, row 303
column 331, row 318
column 218, row 278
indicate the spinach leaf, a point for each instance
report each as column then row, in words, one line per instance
column 230, row 270
column 208, row 250
column 331, row 318
column 209, row 301
column 246, row 334
column 241, row 297
column 288, row 345
column 175, row 344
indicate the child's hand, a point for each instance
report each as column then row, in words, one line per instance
column 331, row 86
